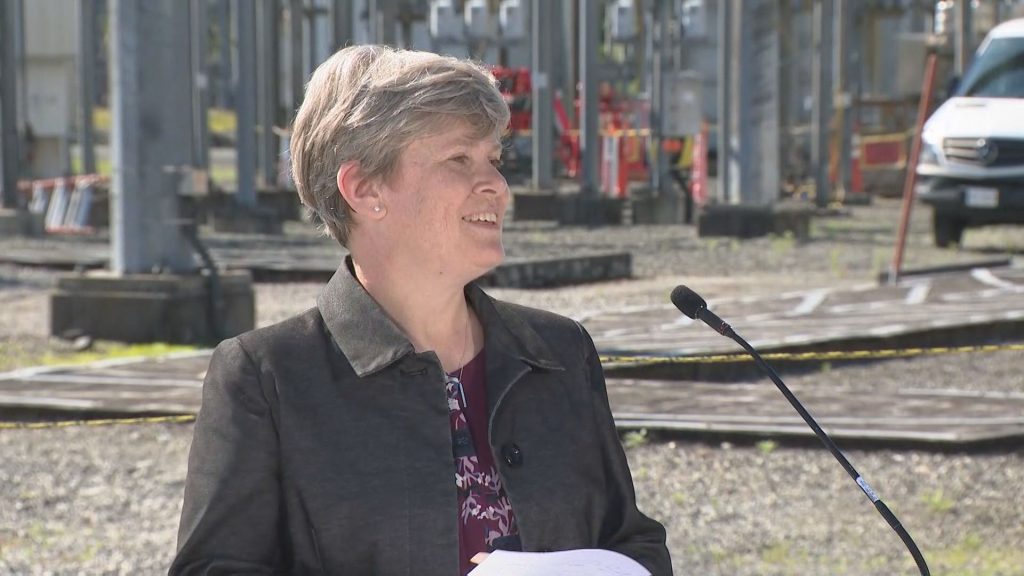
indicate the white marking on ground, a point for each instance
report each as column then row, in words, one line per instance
column 985, row 276
column 917, row 294
column 810, row 302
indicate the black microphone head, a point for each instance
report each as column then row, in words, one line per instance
column 688, row 301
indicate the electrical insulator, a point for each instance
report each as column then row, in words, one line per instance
column 512, row 19
column 444, row 21
column 478, row 19
column 623, row 20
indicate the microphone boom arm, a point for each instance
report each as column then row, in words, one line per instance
column 692, row 305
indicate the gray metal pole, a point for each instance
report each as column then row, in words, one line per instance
column 822, row 69
column 9, row 161
column 267, row 94
column 151, row 145
column 312, row 33
column 666, row 20
column 754, row 163
column 341, row 24
column 388, row 18
column 744, row 187
column 787, row 53
column 569, row 60
column 87, row 81
column 17, row 8
column 540, row 57
column 201, row 86
column 964, row 41
column 245, row 99
column 724, row 98
column 226, row 72
column 373, row 21
column 659, row 38
column 589, row 136
column 843, row 25
column 298, row 74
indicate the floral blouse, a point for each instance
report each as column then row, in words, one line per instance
column 485, row 515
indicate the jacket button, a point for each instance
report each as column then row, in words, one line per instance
column 512, row 455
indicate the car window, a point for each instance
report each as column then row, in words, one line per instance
column 997, row 72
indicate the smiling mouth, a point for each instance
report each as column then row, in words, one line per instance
column 482, row 218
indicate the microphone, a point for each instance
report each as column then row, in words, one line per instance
column 692, row 305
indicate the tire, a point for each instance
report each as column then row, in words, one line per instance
column 947, row 230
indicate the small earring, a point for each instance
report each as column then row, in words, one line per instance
column 376, row 208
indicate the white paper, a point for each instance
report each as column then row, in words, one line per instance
column 586, row 562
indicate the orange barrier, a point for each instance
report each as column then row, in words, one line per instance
column 883, row 151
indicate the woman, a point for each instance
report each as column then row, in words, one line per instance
column 327, row 443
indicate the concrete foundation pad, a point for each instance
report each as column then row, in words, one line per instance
column 561, row 271
column 536, row 206
column 571, row 208
column 20, row 223
column 237, row 219
column 180, row 309
column 662, row 209
column 742, row 221
column 579, row 210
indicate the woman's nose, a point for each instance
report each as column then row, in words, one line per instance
column 493, row 182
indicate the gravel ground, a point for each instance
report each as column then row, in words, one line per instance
column 106, row 500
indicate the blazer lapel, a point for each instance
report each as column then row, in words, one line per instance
column 512, row 347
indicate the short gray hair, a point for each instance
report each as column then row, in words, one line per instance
column 366, row 103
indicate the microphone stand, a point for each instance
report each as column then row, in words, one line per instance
column 692, row 305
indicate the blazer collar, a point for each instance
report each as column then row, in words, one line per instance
column 371, row 341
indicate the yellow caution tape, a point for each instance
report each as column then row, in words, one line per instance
column 641, row 360
column 185, row 418
column 812, row 356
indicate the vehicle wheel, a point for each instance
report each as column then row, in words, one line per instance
column 947, row 230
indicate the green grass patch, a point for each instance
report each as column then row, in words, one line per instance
column 972, row 557
column 111, row 350
column 12, row 358
column 784, row 243
column 783, row 555
column 938, row 502
column 635, row 438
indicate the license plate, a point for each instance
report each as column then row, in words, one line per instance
column 981, row 197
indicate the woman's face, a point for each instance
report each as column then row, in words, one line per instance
column 446, row 202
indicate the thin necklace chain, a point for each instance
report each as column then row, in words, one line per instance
column 465, row 346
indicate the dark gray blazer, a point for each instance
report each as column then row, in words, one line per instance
column 323, row 446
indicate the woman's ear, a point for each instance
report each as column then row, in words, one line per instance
column 361, row 193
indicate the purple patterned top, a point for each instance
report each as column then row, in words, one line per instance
column 485, row 513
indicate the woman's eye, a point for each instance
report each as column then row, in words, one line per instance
column 460, row 159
